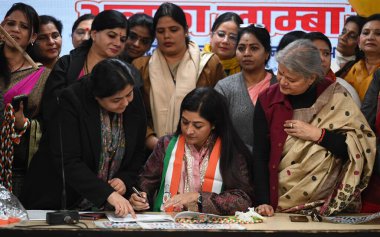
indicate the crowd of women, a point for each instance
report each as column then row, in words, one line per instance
column 210, row 130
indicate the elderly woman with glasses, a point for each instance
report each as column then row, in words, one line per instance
column 313, row 149
column 223, row 41
column 175, row 68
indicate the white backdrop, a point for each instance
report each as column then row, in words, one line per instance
column 279, row 16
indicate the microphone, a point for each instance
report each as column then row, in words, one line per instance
column 63, row 216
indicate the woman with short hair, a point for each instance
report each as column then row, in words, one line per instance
column 313, row 149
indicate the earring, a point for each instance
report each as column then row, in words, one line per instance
column 213, row 127
column 32, row 43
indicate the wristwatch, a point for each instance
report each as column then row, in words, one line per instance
column 199, row 202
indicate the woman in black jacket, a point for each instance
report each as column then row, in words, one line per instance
column 108, row 36
column 99, row 133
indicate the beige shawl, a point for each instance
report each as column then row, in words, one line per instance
column 310, row 176
column 165, row 96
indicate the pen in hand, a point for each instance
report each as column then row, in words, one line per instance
column 138, row 193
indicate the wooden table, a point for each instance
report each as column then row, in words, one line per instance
column 279, row 225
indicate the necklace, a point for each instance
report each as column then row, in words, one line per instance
column 23, row 62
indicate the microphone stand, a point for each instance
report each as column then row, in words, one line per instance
column 63, row 216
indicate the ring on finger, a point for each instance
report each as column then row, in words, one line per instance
column 291, row 125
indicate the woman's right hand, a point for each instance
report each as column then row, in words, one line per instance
column 139, row 203
column 121, row 205
column 265, row 210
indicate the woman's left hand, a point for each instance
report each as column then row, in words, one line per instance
column 302, row 130
column 182, row 200
column 20, row 117
column 118, row 185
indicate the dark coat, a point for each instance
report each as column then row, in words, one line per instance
column 66, row 72
column 78, row 126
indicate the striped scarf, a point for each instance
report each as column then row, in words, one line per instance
column 171, row 174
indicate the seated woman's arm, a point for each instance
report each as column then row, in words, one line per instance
column 150, row 178
column 236, row 197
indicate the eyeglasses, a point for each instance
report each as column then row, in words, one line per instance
column 257, row 25
column 230, row 37
column 134, row 37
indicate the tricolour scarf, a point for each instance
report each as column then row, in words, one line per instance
column 171, row 174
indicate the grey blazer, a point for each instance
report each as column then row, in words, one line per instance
column 240, row 105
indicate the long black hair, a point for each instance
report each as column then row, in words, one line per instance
column 212, row 106
column 109, row 76
column 34, row 24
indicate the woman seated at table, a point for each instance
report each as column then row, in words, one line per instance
column 99, row 133
column 313, row 148
column 202, row 167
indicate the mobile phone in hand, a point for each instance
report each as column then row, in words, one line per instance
column 17, row 100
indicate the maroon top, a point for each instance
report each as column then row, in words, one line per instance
column 232, row 199
column 278, row 109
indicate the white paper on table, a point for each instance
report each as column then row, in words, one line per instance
column 37, row 215
column 139, row 218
